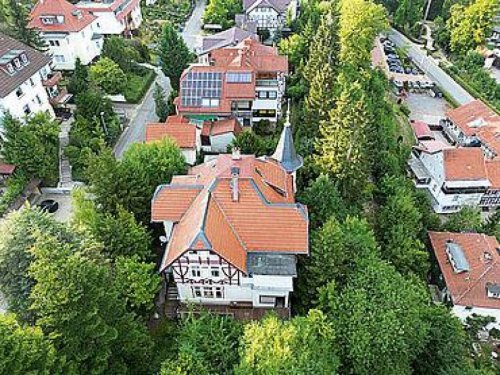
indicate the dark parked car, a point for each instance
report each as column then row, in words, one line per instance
column 49, row 205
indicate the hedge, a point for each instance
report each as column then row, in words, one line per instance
column 15, row 186
column 138, row 85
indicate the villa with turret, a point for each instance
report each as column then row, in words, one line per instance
column 233, row 231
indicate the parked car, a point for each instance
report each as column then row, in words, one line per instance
column 49, row 205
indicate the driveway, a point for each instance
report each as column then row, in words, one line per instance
column 426, row 108
column 430, row 66
column 145, row 111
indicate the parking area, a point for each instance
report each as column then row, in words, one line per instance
column 65, row 207
column 426, row 108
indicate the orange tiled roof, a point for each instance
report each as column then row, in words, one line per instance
column 493, row 170
column 480, row 250
column 464, row 164
column 231, row 125
column 491, row 139
column 265, row 218
column 72, row 22
column 474, row 116
column 173, row 201
column 176, row 127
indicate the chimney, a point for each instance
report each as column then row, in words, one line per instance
column 236, row 155
column 235, row 172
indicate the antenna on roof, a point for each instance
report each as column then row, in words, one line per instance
column 287, row 122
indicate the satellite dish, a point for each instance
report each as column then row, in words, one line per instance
column 163, row 239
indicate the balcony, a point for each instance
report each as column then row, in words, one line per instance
column 60, row 97
column 52, row 79
column 266, row 82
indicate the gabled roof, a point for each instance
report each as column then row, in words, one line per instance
column 422, row 130
column 464, row 164
column 37, row 60
column 482, row 259
column 264, row 218
column 176, row 127
column 213, row 128
column 226, row 38
column 280, row 6
column 474, row 117
column 75, row 19
column 493, row 171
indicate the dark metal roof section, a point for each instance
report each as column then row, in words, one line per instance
column 285, row 152
column 271, row 264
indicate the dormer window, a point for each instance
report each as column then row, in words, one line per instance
column 10, row 68
column 493, row 290
column 17, row 63
column 24, row 58
column 48, row 20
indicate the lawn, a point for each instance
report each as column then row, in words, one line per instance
column 138, row 83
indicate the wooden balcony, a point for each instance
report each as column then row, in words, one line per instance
column 61, row 98
column 52, row 79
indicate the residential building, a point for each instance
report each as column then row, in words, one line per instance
column 474, row 124
column 491, row 199
column 194, row 136
column 233, row 231
column 185, row 134
column 453, row 177
column 226, row 38
column 469, row 277
column 271, row 14
column 246, row 81
column 115, row 17
column 25, row 85
column 68, row 31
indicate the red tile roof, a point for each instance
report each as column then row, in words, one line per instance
column 265, row 218
column 493, row 171
column 72, row 22
column 491, row 139
column 247, row 56
column 7, row 169
column 473, row 117
column 172, row 201
column 176, row 127
column 421, row 130
column 469, row 288
column 464, row 164
column 211, row 128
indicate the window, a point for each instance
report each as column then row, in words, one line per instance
column 10, row 68
column 238, row 77
column 206, row 102
column 270, row 300
column 32, row 83
column 215, row 272
column 19, row 92
column 196, row 291
column 267, row 94
column 195, row 271
column 218, row 292
column 39, row 101
column 24, row 58
column 264, row 113
column 26, row 109
column 208, row 292
column 17, row 63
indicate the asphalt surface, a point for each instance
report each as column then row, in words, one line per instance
column 145, row 111
column 431, row 68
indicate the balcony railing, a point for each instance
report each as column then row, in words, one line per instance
column 52, row 79
column 266, row 82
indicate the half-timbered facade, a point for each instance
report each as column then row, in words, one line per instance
column 233, row 230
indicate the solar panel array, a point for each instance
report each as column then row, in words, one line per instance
column 200, row 85
column 238, row 77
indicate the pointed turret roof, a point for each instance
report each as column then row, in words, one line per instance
column 285, row 152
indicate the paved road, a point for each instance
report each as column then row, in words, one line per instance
column 192, row 29
column 145, row 111
column 430, row 66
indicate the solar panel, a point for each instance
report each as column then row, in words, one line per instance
column 197, row 86
column 457, row 257
column 238, row 77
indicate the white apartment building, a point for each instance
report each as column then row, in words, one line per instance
column 24, row 73
column 453, row 177
column 69, row 32
column 233, row 231
column 270, row 14
column 115, row 17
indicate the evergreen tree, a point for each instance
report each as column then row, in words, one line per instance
column 18, row 17
column 161, row 105
column 79, row 81
column 174, row 55
column 468, row 219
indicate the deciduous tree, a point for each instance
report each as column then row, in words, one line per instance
column 222, row 12
column 108, row 75
column 468, row 219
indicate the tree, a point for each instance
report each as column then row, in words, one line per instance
column 81, row 310
column 323, row 199
column 17, row 17
column 162, row 107
column 137, row 282
column 360, row 22
column 378, row 319
column 222, row 12
column 342, row 143
column 336, row 250
column 107, row 75
column 79, row 81
column 131, row 182
column 303, row 345
column 470, row 25
column 399, row 227
column 18, row 234
column 189, row 362
column 115, row 48
column 252, row 144
column 408, row 13
column 33, row 147
column 121, row 235
column 468, row 219
column 24, row 349
column 174, row 55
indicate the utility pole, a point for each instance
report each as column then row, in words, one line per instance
column 427, row 9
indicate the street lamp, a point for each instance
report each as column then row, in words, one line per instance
column 104, row 124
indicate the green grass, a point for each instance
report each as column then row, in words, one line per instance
column 138, row 85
